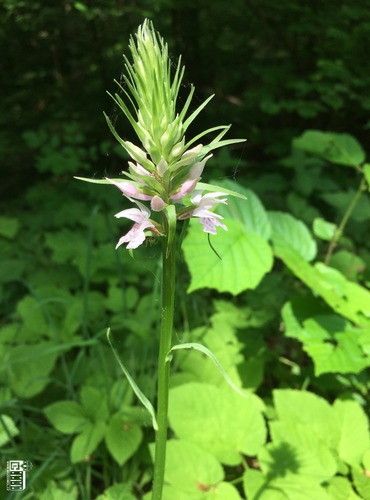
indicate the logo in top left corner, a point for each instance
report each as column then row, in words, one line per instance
column 16, row 474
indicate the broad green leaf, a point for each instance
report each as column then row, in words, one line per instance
column 250, row 211
column 221, row 338
column 122, row 439
column 119, row 491
column 293, row 406
column 190, row 467
column 66, row 416
column 290, row 487
column 361, row 482
column 313, row 457
column 218, row 420
column 9, row 227
column 87, row 441
column 144, row 400
column 354, row 431
column 366, row 460
column 94, row 403
column 11, row 269
column 201, row 348
column 348, row 263
column 342, row 149
column 29, row 367
column 323, row 229
column 292, row 232
column 246, row 258
column 334, row 352
column 346, row 298
column 219, row 491
column 53, row 492
column 8, row 429
column 340, row 488
column 33, row 315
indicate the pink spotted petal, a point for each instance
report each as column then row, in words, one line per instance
column 210, row 223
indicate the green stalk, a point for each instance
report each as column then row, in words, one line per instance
column 165, row 344
column 340, row 229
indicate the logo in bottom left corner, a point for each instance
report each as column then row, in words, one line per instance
column 16, row 471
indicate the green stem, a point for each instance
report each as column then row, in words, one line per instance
column 165, row 344
column 339, row 231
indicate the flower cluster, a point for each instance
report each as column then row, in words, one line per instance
column 165, row 170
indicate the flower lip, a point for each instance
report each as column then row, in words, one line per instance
column 136, row 235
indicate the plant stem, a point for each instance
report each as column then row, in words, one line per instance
column 165, row 344
column 339, row 231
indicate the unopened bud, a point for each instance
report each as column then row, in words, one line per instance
column 157, row 204
column 162, row 167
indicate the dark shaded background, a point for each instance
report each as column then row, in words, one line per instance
column 277, row 68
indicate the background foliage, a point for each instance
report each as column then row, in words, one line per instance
column 286, row 311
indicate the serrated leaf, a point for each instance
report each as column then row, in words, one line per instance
column 122, row 438
column 87, row 441
column 246, row 258
column 293, row 232
column 218, row 419
column 342, row 149
column 66, row 416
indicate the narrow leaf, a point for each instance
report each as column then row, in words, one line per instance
column 207, row 352
column 145, row 401
column 197, row 111
column 207, row 187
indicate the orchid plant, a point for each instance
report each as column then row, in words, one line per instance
column 163, row 182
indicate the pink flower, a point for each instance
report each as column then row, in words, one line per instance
column 194, row 175
column 130, row 190
column 136, row 236
column 201, row 208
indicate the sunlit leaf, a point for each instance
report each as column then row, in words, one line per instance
column 246, row 258
column 294, row 233
column 218, row 419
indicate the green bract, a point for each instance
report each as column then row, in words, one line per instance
column 152, row 94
